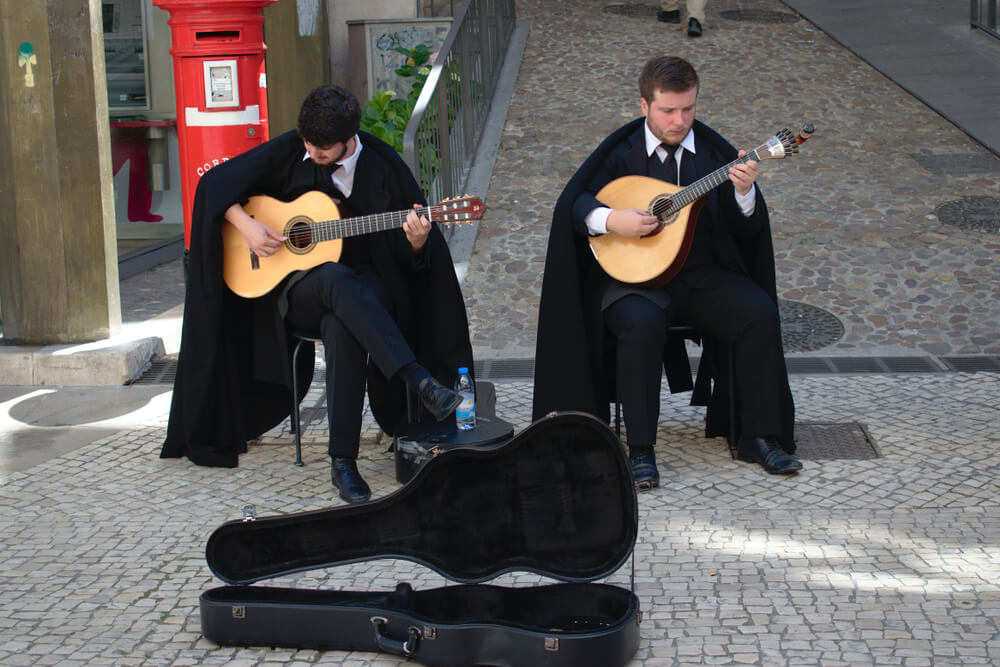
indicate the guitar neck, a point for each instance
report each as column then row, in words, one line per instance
column 328, row 230
column 706, row 184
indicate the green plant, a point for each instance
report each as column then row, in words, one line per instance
column 385, row 115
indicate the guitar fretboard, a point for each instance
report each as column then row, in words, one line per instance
column 701, row 187
column 328, row 230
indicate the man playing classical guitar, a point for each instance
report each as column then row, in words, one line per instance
column 390, row 311
column 600, row 339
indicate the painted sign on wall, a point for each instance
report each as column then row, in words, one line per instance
column 383, row 37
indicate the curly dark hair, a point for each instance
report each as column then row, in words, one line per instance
column 329, row 115
column 668, row 73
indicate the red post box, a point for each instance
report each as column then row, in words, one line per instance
column 219, row 85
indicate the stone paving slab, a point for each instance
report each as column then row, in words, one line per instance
column 927, row 47
column 887, row 561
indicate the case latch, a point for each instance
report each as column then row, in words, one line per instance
column 404, row 648
column 551, row 643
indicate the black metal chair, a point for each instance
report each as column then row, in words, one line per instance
column 300, row 338
column 690, row 333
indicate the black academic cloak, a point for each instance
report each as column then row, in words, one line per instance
column 574, row 360
column 233, row 379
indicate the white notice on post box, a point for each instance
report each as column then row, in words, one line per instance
column 221, row 85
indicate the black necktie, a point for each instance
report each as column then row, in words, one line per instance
column 670, row 163
column 666, row 169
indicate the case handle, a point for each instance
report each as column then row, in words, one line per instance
column 389, row 645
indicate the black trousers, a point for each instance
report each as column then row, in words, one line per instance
column 349, row 311
column 726, row 306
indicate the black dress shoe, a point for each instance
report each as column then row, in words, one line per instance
column 669, row 17
column 644, row 471
column 694, row 28
column 438, row 399
column 345, row 476
column 770, row 456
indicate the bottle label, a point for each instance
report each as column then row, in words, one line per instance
column 466, row 409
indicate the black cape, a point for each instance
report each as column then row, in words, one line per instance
column 233, row 378
column 574, row 360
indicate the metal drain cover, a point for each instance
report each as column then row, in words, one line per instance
column 758, row 16
column 805, row 328
column 828, row 441
column 160, row 371
column 977, row 214
column 630, row 9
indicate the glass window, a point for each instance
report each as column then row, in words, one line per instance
column 125, row 53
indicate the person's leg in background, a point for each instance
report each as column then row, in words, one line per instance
column 696, row 17
column 669, row 13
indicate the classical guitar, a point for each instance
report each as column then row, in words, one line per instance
column 654, row 259
column 314, row 233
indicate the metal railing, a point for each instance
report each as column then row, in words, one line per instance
column 984, row 16
column 448, row 118
column 428, row 8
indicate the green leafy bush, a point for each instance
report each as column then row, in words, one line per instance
column 386, row 115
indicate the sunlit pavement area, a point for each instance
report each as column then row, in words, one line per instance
column 885, row 560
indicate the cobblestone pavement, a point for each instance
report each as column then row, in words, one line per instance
column 853, row 214
column 894, row 560
column 888, row 560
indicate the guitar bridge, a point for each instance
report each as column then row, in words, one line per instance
column 254, row 261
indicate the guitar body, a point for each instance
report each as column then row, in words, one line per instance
column 251, row 276
column 314, row 233
column 648, row 261
column 651, row 261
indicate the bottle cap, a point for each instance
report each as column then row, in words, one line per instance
column 463, row 369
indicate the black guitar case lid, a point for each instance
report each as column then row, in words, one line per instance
column 557, row 499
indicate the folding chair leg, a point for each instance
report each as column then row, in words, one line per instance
column 296, row 426
column 733, row 444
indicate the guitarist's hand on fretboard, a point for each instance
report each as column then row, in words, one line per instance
column 632, row 222
column 417, row 227
column 744, row 175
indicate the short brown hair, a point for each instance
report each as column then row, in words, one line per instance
column 668, row 73
column 329, row 115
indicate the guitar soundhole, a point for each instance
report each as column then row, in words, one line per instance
column 300, row 235
column 660, row 208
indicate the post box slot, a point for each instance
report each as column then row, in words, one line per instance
column 218, row 35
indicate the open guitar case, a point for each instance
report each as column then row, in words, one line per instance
column 557, row 499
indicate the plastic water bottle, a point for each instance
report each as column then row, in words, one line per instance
column 465, row 414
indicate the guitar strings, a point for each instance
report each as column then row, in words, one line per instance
column 668, row 204
column 306, row 232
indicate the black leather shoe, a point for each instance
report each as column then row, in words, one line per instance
column 669, row 17
column 644, row 471
column 345, row 476
column 770, row 456
column 438, row 399
column 694, row 28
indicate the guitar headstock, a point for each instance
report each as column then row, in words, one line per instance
column 782, row 144
column 458, row 210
